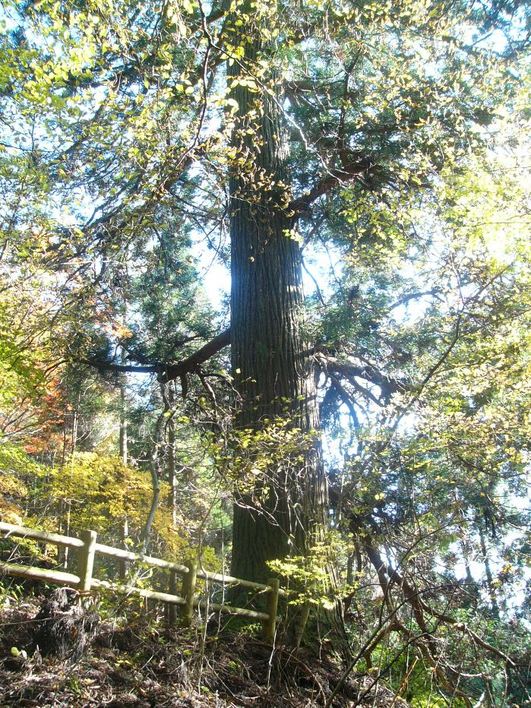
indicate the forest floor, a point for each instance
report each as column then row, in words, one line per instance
column 139, row 663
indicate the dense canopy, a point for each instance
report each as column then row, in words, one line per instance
column 263, row 265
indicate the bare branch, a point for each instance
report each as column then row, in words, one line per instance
column 347, row 370
column 191, row 363
column 169, row 371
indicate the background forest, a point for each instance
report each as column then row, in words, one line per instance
column 264, row 302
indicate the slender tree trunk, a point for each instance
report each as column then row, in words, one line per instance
column 270, row 362
column 123, row 445
column 488, row 573
column 172, row 469
column 124, row 455
column 156, row 467
column 73, row 446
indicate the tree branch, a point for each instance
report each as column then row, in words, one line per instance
column 346, row 173
column 169, row 371
column 419, row 606
column 350, row 372
column 191, row 363
column 155, row 368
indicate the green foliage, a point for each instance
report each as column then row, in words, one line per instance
column 308, row 576
column 18, row 475
column 125, row 127
column 102, row 491
column 246, row 455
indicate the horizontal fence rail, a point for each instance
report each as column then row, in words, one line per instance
column 87, row 548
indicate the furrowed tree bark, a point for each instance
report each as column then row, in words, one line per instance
column 272, row 369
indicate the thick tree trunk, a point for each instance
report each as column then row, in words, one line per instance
column 271, row 366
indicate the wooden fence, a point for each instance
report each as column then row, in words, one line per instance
column 87, row 547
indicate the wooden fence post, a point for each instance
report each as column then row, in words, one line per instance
column 272, row 608
column 188, row 590
column 86, row 559
column 172, row 609
column 302, row 621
